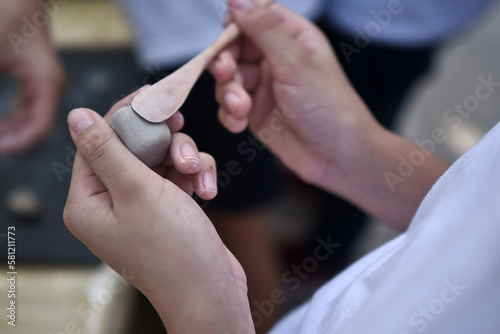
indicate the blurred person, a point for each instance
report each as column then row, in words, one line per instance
column 439, row 276
column 27, row 54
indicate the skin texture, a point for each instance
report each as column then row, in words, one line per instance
column 145, row 224
column 39, row 69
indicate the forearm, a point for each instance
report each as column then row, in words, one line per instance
column 388, row 176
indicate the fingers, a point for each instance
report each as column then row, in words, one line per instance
column 231, row 123
column 87, row 196
column 224, row 66
column 41, row 111
column 34, row 119
column 24, row 138
column 122, row 174
column 116, row 167
column 176, row 122
column 277, row 33
column 184, row 154
column 250, row 93
column 203, row 182
column 235, row 106
column 264, row 26
column 192, row 170
column 10, row 130
column 234, row 97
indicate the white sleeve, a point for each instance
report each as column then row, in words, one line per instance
column 441, row 276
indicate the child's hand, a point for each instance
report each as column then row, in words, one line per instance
column 144, row 223
column 283, row 81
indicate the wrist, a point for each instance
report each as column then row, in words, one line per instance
column 356, row 148
column 364, row 175
column 222, row 307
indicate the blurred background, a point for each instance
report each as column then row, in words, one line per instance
column 63, row 288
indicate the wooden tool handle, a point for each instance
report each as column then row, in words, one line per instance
column 229, row 35
column 160, row 101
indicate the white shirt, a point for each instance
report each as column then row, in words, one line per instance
column 169, row 32
column 409, row 23
column 441, row 276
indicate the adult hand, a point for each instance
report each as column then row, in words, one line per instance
column 283, row 80
column 144, row 224
column 37, row 66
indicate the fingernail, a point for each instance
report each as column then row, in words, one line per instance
column 209, row 182
column 190, row 156
column 79, row 120
column 188, row 152
column 242, row 4
column 232, row 101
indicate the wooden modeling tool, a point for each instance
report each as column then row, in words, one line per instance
column 160, row 101
column 141, row 126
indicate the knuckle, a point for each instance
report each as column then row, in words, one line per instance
column 73, row 214
column 264, row 21
column 208, row 161
column 69, row 216
column 94, row 144
column 133, row 190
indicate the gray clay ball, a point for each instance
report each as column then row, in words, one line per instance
column 147, row 141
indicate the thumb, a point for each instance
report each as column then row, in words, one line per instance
column 266, row 26
column 117, row 168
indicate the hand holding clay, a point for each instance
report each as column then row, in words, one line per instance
column 143, row 223
column 169, row 153
column 147, row 141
